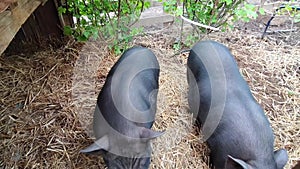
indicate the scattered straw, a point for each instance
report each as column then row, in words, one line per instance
column 47, row 101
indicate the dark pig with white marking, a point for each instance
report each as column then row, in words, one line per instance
column 125, row 111
column 233, row 123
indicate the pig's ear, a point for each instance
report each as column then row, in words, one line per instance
column 148, row 133
column 100, row 144
column 281, row 157
column 232, row 163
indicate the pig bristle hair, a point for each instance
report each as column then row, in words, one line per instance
column 42, row 122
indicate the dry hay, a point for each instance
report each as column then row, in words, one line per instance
column 47, row 102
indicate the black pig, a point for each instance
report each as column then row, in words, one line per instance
column 233, row 123
column 125, row 111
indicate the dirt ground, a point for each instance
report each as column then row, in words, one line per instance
column 48, row 98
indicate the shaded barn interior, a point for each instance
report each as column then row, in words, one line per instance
column 31, row 25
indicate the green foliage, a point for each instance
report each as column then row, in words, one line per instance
column 110, row 19
column 291, row 93
column 215, row 13
column 291, row 11
column 190, row 40
column 177, row 46
column 246, row 12
column 261, row 11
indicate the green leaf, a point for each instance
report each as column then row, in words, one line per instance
column 177, row 46
column 81, row 38
column 291, row 93
column 86, row 34
column 68, row 30
column 179, row 12
column 261, row 11
column 117, row 50
column 147, row 4
column 228, row 2
column 61, row 10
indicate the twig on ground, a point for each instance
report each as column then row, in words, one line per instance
column 199, row 24
column 280, row 31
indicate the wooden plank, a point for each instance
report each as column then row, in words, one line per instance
column 10, row 24
column 48, row 21
column 4, row 4
column 30, row 29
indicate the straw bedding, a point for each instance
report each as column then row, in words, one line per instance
column 47, row 101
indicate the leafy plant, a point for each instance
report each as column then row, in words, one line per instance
column 190, row 40
column 291, row 10
column 177, row 46
column 109, row 19
column 214, row 13
column 246, row 12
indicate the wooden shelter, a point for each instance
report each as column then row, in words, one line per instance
column 30, row 20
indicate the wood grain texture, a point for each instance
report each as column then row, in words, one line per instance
column 11, row 21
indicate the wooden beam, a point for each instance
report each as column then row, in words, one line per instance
column 11, row 21
column 4, row 4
